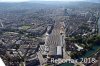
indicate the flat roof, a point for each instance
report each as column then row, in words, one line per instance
column 2, row 63
column 59, row 50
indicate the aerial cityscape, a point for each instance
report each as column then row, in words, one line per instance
column 49, row 33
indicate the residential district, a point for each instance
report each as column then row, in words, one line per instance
column 38, row 37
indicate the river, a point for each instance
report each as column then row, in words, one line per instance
column 88, row 53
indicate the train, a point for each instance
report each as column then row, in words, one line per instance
column 49, row 28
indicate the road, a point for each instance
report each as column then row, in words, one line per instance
column 41, row 59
